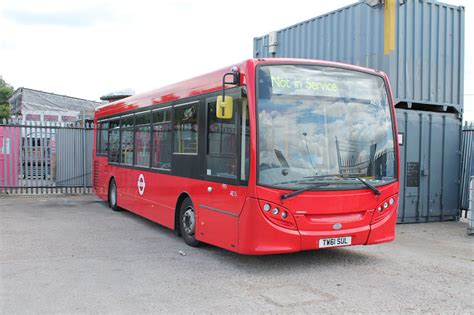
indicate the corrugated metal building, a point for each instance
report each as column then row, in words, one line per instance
column 420, row 45
column 34, row 105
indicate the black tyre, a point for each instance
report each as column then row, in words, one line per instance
column 187, row 223
column 113, row 196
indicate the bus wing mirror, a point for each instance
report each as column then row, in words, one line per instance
column 224, row 107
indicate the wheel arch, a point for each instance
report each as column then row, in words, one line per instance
column 183, row 196
column 108, row 187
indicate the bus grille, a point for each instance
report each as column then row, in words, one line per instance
column 96, row 173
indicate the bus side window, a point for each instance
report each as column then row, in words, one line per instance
column 114, row 140
column 142, row 139
column 222, row 145
column 126, row 139
column 103, row 138
column 186, row 129
column 161, row 135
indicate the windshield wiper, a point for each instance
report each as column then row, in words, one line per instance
column 372, row 187
column 300, row 191
column 349, row 176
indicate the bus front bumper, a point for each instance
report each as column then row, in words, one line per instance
column 259, row 236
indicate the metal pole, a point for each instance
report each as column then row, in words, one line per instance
column 52, row 155
column 30, row 159
column 84, row 153
column 21, row 180
column 26, row 147
column 36, row 151
column 3, row 178
column 42, row 159
column 470, row 229
column 12, row 151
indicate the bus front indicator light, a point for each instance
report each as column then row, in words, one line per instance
column 277, row 214
column 386, row 208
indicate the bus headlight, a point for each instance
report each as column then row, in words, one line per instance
column 277, row 214
column 385, row 208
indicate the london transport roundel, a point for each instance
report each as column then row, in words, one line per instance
column 141, row 184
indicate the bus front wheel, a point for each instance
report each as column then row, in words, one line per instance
column 113, row 195
column 187, row 223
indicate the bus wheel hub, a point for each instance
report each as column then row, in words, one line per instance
column 188, row 221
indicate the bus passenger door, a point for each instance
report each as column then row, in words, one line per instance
column 226, row 173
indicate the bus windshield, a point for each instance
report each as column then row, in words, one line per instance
column 323, row 127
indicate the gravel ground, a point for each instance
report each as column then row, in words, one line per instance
column 74, row 255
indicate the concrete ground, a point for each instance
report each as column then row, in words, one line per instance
column 74, row 255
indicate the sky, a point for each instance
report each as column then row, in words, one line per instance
column 89, row 48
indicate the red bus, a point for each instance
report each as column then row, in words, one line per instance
column 272, row 156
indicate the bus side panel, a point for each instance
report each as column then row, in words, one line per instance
column 123, row 198
column 219, row 206
column 156, row 202
column 217, row 229
column 161, row 190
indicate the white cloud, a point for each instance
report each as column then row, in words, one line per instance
column 81, row 17
column 91, row 47
column 137, row 44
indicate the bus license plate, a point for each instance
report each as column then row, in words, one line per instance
column 335, row 241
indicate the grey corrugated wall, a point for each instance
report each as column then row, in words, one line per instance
column 426, row 71
column 425, row 67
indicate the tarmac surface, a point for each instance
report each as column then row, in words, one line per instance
column 75, row 255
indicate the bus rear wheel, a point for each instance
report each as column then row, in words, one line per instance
column 113, row 195
column 187, row 223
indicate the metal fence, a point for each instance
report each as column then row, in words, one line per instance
column 45, row 157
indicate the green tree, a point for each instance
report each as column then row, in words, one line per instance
column 6, row 91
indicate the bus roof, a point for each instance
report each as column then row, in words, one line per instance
column 206, row 83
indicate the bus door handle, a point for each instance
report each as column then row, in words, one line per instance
column 209, row 189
